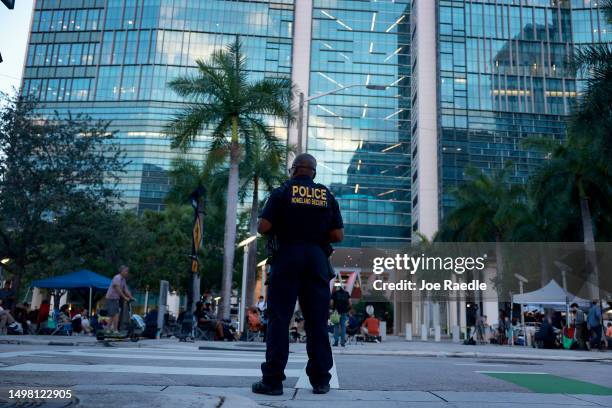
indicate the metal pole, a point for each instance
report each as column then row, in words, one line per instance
column 90, row 300
column 522, row 314
column 243, row 306
column 300, row 123
column 146, row 301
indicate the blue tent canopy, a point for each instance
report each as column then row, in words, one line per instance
column 79, row 279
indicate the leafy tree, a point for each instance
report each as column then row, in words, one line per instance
column 55, row 171
column 158, row 246
column 224, row 101
column 90, row 239
column 185, row 176
column 574, row 180
column 488, row 209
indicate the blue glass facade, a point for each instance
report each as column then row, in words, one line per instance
column 112, row 59
column 504, row 75
column 361, row 137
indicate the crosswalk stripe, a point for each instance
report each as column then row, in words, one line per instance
column 111, row 368
column 154, row 357
column 304, row 382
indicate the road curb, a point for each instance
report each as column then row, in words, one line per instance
column 467, row 354
column 48, row 343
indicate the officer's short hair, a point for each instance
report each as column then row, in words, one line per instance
column 305, row 160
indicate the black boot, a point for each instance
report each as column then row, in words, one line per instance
column 320, row 389
column 262, row 388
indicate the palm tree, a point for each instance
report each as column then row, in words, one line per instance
column 488, row 208
column 593, row 117
column 263, row 166
column 572, row 174
column 222, row 101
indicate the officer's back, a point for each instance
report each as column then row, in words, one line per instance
column 305, row 218
column 302, row 211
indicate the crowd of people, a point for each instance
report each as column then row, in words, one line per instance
column 547, row 328
column 344, row 320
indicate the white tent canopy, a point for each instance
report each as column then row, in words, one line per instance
column 551, row 294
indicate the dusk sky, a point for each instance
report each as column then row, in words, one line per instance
column 14, row 26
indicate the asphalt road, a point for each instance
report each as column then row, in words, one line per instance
column 185, row 365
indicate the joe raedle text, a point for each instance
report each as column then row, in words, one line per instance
column 407, row 285
column 423, row 264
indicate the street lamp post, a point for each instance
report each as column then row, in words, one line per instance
column 196, row 199
column 245, row 260
column 521, row 280
column 302, row 101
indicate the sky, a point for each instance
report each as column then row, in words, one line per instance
column 14, row 28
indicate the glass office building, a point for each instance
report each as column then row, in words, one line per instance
column 503, row 74
column 112, row 59
column 360, row 136
column 466, row 81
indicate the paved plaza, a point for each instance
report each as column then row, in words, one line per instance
column 160, row 373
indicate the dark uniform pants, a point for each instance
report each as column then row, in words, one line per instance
column 299, row 271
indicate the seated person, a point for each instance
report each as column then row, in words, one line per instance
column 353, row 324
column 8, row 325
column 254, row 322
column 43, row 314
column 63, row 319
column 371, row 328
column 64, row 315
column 150, row 330
column 85, row 323
column 207, row 320
column 609, row 335
column 21, row 315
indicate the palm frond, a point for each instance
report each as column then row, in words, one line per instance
column 187, row 123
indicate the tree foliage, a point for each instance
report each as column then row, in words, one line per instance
column 55, row 172
column 221, row 100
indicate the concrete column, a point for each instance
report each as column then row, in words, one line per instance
column 436, row 320
column 456, row 334
column 462, row 315
column 300, row 67
column 490, row 303
column 425, row 115
column 408, row 332
column 424, row 334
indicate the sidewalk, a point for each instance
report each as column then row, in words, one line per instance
column 397, row 346
column 35, row 340
column 391, row 346
column 93, row 396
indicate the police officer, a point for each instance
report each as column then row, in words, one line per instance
column 305, row 218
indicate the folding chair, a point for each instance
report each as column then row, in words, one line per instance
column 254, row 335
column 58, row 327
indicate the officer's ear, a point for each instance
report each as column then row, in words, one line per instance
column 314, row 173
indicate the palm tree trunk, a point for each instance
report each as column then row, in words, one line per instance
column 589, row 244
column 229, row 241
column 252, row 266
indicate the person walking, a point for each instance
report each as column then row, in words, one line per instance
column 594, row 324
column 580, row 326
column 341, row 303
column 116, row 292
column 303, row 218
